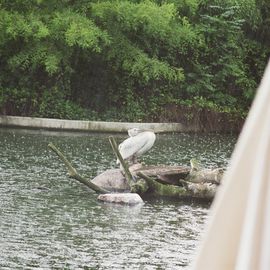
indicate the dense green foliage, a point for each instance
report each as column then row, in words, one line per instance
column 127, row 60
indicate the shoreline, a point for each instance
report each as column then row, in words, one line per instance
column 86, row 126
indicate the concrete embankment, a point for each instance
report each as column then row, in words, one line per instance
column 88, row 126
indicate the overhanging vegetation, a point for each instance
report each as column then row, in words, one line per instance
column 129, row 60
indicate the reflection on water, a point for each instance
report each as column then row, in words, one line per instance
column 48, row 221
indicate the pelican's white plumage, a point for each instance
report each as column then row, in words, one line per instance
column 139, row 142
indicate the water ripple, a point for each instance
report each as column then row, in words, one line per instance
column 48, row 221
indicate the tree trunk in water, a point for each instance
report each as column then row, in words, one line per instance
column 205, row 191
column 148, row 180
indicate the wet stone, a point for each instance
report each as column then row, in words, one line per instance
column 112, row 180
column 121, row 198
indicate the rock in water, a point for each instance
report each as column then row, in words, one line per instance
column 112, row 180
column 122, row 198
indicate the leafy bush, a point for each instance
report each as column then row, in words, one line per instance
column 127, row 60
column 55, row 105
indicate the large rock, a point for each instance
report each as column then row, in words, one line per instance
column 122, row 198
column 112, row 180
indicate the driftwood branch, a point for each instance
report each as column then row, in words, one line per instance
column 128, row 174
column 73, row 173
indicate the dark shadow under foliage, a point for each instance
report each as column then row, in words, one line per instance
column 195, row 61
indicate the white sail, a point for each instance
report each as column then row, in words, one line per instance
column 238, row 232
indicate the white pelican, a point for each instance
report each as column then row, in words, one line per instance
column 139, row 142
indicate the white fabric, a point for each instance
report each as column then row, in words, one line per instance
column 238, row 233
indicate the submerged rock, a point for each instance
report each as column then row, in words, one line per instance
column 122, row 198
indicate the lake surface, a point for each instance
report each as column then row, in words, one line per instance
column 48, row 221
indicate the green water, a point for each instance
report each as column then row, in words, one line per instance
column 48, row 221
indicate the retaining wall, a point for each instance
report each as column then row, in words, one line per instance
column 78, row 125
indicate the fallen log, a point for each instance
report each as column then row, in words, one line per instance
column 164, row 174
column 187, row 190
column 163, row 181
